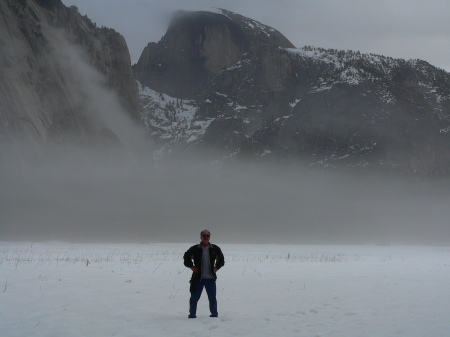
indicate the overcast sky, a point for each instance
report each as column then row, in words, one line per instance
column 406, row 29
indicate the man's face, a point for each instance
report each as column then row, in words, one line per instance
column 205, row 238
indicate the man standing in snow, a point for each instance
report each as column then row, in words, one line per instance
column 204, row 259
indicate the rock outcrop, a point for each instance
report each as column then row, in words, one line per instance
column 235, row 88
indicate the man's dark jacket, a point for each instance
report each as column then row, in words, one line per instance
column 193, row 258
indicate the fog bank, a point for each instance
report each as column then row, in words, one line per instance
column 108, row 197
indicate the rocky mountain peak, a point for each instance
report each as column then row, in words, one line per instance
column 226, row 84
column 256, row 31
column 202, row 44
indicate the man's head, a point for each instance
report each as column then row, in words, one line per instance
column 205, row 236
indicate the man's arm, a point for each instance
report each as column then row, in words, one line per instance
column 220, row 260
column 187, row 257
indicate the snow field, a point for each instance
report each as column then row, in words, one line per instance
column 67, row 289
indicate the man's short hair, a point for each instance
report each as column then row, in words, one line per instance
column 204, row 232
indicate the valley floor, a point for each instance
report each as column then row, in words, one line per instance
column 66, row 289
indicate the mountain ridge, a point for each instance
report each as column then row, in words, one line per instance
column 326, row 108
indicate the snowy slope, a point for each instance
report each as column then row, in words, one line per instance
column 170, row 119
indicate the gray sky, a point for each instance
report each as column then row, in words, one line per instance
column 397, row 28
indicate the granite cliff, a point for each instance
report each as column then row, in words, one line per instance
column 62, row 78
column 199, row 45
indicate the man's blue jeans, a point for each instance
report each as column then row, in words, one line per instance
column 210, row 286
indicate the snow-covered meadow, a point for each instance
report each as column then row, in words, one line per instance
column 67, row 289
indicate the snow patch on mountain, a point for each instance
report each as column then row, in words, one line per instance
column 385, row 95
column 349, row 158
column 294, row 103
column 171, row 119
